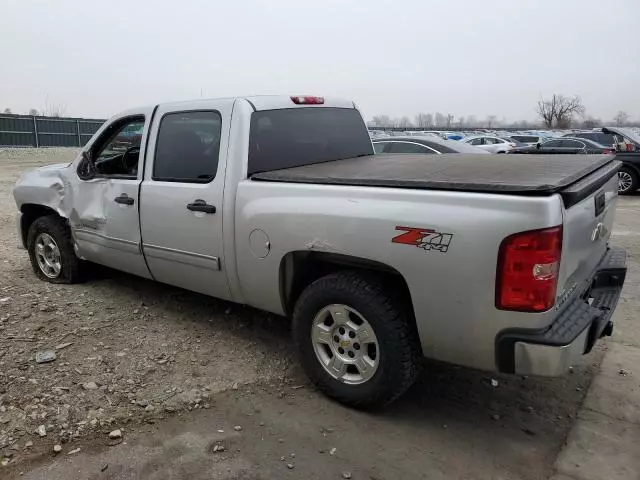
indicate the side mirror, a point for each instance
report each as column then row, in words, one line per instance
column 86, row 167
column 538, row 145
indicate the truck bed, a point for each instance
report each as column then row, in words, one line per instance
column 502, row 174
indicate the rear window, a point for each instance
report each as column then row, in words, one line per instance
column 303, row 136
column 601, row 138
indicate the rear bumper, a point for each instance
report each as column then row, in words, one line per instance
column 579, row 325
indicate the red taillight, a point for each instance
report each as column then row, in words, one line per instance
column 606, row 151
column 308, row 100
column 527, row 275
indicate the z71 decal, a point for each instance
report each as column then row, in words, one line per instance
column 425, row 238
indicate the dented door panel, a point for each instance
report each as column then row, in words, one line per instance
column 105, row 231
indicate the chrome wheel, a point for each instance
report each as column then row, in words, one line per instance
column 624, row 181
column 345, row 344
column 48, row 255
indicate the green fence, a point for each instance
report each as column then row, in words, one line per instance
column 29, row 131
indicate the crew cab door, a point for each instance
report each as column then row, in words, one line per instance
column 181, row 196
column 104, row 220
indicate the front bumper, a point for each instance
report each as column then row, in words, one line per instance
column 580, row 324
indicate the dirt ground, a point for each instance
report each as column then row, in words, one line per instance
column 176, row 372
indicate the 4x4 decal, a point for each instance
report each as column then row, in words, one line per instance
column 425, row 238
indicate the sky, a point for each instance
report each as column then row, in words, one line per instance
column 464, row 57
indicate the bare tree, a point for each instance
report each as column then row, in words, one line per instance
column 380, row 121
column 461, row 122
column 621, row 118
column 51, row 109
column 439, row 120
column 7, row 110
column 591, row 122
column 472, row 121
column 566, row 109
column 404, row 122
column 449, row 120
column 490, row 121
column 33, row 112
column 423, row 120
column 547, row 111
column 559, row 110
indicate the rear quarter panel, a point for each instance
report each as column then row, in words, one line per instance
column 452, row 291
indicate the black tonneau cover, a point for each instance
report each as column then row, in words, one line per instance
column 506, row 174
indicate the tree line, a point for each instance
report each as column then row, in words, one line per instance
column 558, row 111
column 49, row 109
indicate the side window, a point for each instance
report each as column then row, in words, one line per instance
column 491, row 141
column 552, row 144
column 117, row 152
column 476, row 141
column 380, row 147
column 572, row 144
column 187, row 147
column 405, row 147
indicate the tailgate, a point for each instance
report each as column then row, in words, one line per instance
column 587, row 223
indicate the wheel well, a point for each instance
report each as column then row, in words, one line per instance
column 30, row 213
column 299, row 269
column 633, row 168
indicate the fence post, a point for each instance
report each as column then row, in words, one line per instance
column 35, row 132
column 78, row 130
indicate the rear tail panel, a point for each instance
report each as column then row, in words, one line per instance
column 588, row 221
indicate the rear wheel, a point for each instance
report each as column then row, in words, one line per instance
column 627, row 181
column 51, row 251
column 356, row 341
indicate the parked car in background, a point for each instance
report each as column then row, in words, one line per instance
column 516, row 143
column 606, row 139
column 489, row 143
column 627, row 148
column 427, row 145
column 565, row 146
column 529, row 139
column 130, row 137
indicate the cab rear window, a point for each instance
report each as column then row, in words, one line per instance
column 302, row 136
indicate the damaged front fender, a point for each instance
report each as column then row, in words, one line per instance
column 46, row 187
column 58, row 189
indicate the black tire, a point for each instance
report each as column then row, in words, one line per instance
column 392, row 322
column 634, row 181
column 57, row 228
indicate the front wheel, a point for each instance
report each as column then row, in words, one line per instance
column 627, row 181
column 356, row 342
column 51, row 251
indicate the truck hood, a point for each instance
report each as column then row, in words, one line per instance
column 44, row 186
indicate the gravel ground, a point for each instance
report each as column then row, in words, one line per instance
column 137, row 356
column 126, row 349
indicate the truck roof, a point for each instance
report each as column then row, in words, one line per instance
column 258, row 102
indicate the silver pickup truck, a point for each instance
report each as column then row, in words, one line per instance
column 499, row 263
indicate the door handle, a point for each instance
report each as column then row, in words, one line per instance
column 200, row 205
column 124, row 199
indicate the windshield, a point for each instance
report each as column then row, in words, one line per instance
column 302, row 136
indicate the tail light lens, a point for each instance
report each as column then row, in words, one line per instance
column 527, row 275
column 606, row 151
